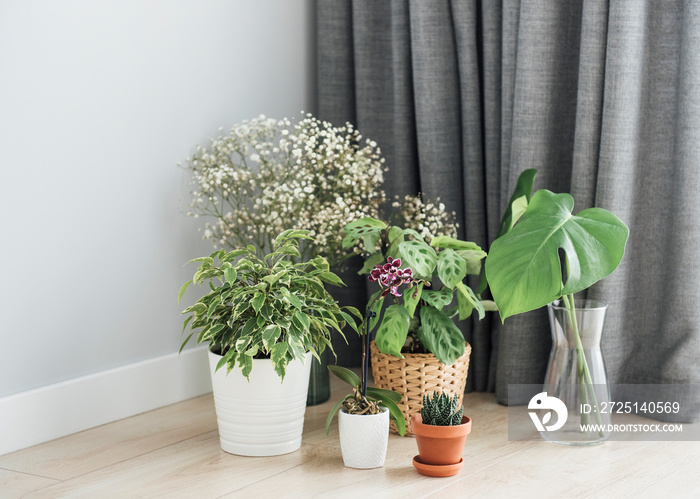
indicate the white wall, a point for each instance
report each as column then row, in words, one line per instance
column 98, row 102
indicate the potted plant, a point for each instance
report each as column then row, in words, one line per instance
column 544, row 256
column 418, row 348
column 441, row 430
column 363, row 422
column 265, row 175
column 267, row 316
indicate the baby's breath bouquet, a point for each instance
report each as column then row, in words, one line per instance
column 266, row 176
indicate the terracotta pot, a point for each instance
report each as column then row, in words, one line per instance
column 440, row 445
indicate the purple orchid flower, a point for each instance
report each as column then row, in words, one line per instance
column 390, row 276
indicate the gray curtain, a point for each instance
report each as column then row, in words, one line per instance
column 602, row 97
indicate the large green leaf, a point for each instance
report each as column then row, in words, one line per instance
column 420, row 257
column 451, row 267
column 360, row 228
column 440, row 335
column 523, row 268
column 393, row 330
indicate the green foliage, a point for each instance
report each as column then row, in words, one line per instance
column 393, row 330
column 441, row 410
column 524, row 270
column 376, row 397
column 264, row 307
column 440, row 268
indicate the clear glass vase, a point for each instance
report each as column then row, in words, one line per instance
column 576, row 373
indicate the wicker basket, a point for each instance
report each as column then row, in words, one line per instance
column 416, row 375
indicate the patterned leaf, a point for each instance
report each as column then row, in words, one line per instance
column 420, row 257
column 360, row 228
column 411, row 297
column 440, row 335
column 393, row 330
column 438, row 299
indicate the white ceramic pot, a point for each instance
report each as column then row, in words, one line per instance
column 363, row 438
column 263, row 417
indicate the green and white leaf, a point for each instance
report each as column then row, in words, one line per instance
column 182, row 291
column 257, row 301
column 278, row 356
column 270, row 335
column 230, row 274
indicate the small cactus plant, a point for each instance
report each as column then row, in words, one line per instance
column 441, row 410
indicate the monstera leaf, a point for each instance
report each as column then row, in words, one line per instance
column 523, row 268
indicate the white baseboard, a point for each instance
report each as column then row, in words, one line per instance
column 53, row 411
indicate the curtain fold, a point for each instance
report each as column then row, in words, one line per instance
column 602, row 98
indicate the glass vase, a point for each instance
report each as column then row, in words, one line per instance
column 576, row 373
column 319, row 382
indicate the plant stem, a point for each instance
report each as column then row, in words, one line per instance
column 584, row 374
column 369, row 314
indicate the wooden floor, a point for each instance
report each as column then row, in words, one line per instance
column 174, row 452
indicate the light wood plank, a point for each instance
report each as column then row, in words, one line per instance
column 174, row 452
column 99, row 447
column 13, row 484
column 194, row 468
column 325, row 475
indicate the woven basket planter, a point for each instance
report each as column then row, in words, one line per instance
column 416, row 375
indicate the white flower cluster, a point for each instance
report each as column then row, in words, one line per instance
column 267, row 175
column 429, row 219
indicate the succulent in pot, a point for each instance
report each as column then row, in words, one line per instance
column 265, row 316
column 441, row 431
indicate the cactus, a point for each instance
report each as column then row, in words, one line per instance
column 441, row 410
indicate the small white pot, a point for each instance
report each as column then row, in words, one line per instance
column 263, row 417
column 363, row 438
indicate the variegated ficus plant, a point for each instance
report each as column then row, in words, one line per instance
column 419, row 319
column 265, row 307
